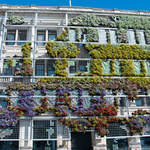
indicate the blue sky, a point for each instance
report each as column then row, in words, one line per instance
column 110, row 4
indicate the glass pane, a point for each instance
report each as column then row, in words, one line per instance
column 39, row 70
column 139, row 101
column 117, row 144
column 3, row 102
column 41, row 37
column 9, row 145
column 44, row 145
column 82, row 66
column 148, row 101
column 11, row 37
column 51, row 37
column 145, row 143
column 22, row 36
column 51, row 68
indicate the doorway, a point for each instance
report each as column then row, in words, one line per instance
column 81, row 141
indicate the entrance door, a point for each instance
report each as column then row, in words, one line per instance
column 81, row 141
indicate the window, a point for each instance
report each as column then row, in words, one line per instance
column 50, row 68
column 145, row 143
column 51, row 35
column 139, row 101
column 122, row 102
column 148, row 101
column 7, row 70
column 11, row 34
column 41, row 38
column 40, row 68
column 82, row 66
column 16, row 35
column 22, row 36
column 72, row 67
column 45, row 35
column 3, row 102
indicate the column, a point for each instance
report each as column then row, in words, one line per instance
column 25, row 135
column 134, row 143
column 63, row 132
column 99, row 143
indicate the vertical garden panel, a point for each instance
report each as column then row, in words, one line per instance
column 137, row 67
column 106, row 66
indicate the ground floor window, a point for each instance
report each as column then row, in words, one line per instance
column 117, row 144
column 9, row 145
column 145, row 143
column 44, row 145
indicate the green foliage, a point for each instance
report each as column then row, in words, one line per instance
column 26, row 50
column 122, row 51
column 96, row 67
column 112, row 67
column 78, row 34
column 61, row 65
column 62, row 50
column 10, row 62
column 26, row 69
column 147, row 36
column 92, row 35
column 126, row 22
column 64, row 36
column 137, row 37
column 122, row 36
column 143, row 69
column 15, row 20
column 127, row 68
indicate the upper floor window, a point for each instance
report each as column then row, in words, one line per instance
column 51, row 35
column 50, row 67
column 40, row 68
column 11, row 36
column 45, row 35
column 16, row 36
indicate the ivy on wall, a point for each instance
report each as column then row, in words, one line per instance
column 92, row 35
column 96, row 67
column 61, row 66
column 15, row 20
column 122, row 51
column 147, row 36
column 126, row 22
column 26, row 69
column 122, row 36
column 64, row 36
column 127, row 68
column 62, row 50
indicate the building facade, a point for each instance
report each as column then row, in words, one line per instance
column 74, row 78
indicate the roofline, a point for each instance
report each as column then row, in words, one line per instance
column 75, row 9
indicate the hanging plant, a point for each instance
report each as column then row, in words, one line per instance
column 62, row 50
column 122, row 36
column 122, row 51
column 127, row 68
column 15, row 20
column 64, row 36
column 96, row 67
column 61, row 66
column 10, row 62
column 92, row 35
